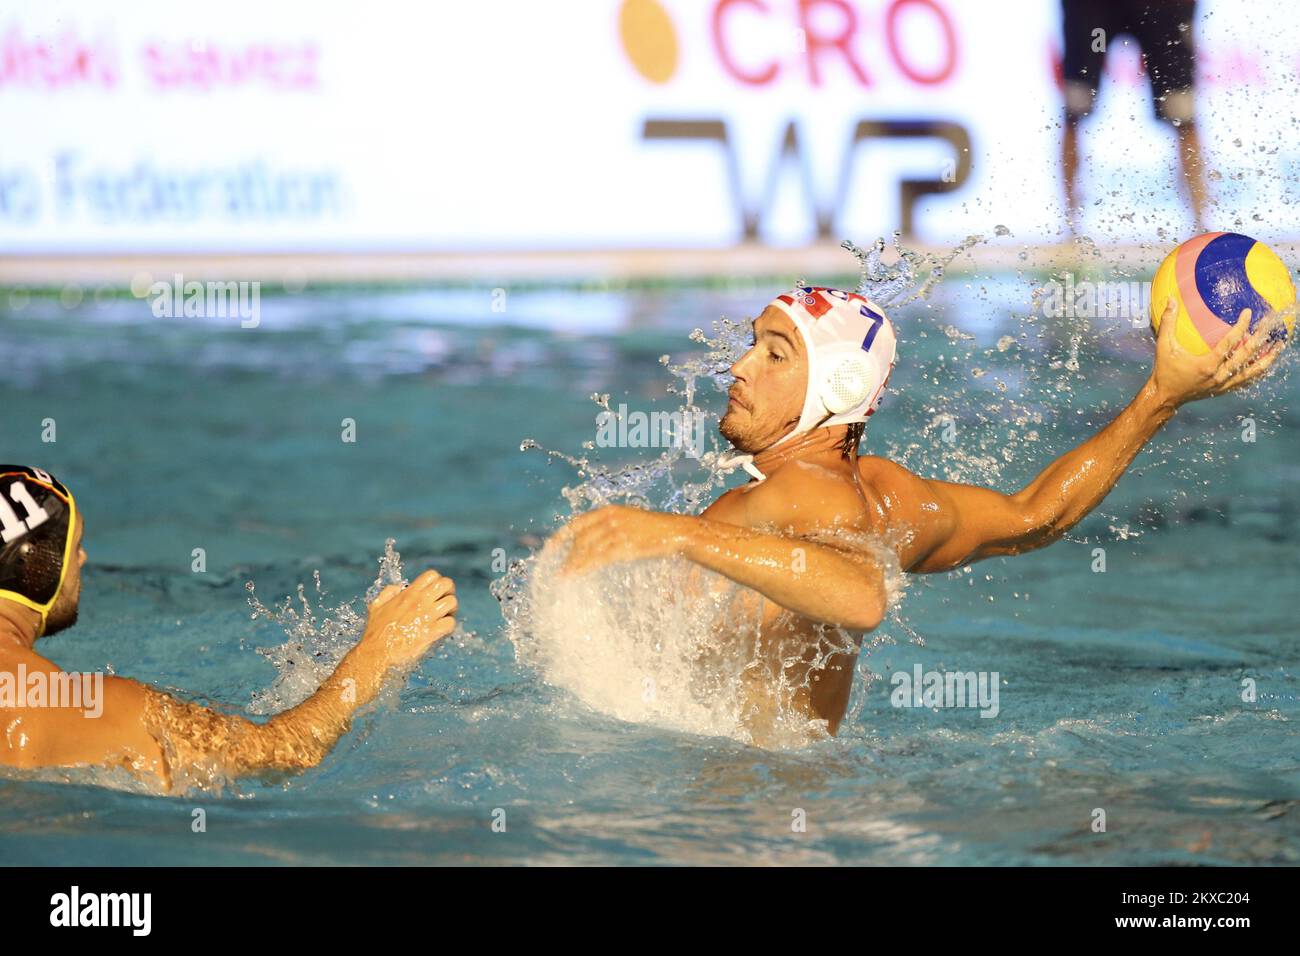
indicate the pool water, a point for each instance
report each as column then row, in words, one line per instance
column 1119, row 691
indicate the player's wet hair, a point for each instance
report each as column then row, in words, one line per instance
column 852, row 438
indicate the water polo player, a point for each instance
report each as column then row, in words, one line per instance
column 798, row 407
column 54, row 719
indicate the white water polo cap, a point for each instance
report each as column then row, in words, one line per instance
column 851, row 350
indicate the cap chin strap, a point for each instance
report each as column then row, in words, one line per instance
column 31, row 605
column 730, row 461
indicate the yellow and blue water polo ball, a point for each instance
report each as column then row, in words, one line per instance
column 1213, row 277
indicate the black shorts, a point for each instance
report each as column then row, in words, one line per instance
column 1163, row 31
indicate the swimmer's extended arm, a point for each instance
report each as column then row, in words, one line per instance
column 403, row 624
column 957, row 524
column 965, row 523
column 194, row 738
column 842, row 586
column 830, row 585
column 157, row 735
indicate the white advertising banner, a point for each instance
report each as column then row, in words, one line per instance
column 505, row 124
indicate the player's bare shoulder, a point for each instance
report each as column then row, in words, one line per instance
column 914, row 511
column 896, row 487
column 802, row 496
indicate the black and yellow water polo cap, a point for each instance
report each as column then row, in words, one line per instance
column 38, row 518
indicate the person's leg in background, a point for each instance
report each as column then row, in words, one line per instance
column 1083, row 62
column 1165, row 35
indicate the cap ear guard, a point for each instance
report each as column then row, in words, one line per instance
column 847, row 383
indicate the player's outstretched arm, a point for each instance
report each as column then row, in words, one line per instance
column 960, row 523
column 160, row 736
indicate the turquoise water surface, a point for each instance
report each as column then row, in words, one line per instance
column 1120, row 691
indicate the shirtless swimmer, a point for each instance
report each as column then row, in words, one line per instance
column 798, row 407
column 49, row 718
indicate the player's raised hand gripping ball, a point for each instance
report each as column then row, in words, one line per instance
column 1213, row 279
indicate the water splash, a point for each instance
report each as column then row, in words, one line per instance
column 668, row 643
column 913, row 276
column 318, row 636
column 673, row 481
